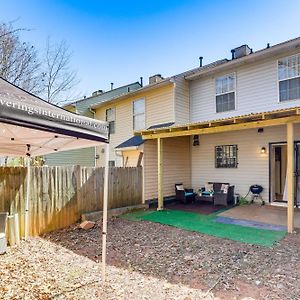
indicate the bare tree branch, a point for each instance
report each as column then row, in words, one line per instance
column 58, row 77
column 19, row 62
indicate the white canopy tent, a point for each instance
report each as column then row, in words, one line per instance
column 30, row 126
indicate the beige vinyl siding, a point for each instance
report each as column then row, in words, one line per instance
column 159, row 108
column 256, row 91
column 176, row 155
column 253, row 167
column 181, row 101
column 131, row 158
column 123, row 129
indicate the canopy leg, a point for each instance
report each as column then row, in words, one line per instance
column 105, row 204
column 27, row 201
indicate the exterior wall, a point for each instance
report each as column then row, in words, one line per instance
column 181, row 101
column 83, row 157
column 253, row 167
column 177, row 167
column 159, row 109
column 256, row 91
column 86, row 157
column 130, row 158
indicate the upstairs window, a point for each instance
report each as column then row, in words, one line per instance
column 289, row 78
column 111, row 119
column 139, row 114
column 225, row 93
column 226, row 156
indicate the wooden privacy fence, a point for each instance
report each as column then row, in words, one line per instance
column 59, row 195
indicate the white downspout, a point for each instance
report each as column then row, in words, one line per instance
column 27, row 201
column 105, row 204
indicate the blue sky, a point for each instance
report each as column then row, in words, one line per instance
column 119, row 41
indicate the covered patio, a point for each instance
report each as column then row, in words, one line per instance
column 284, row 119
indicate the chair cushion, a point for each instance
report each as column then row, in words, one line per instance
column 207, row 193
column 188, row 194
column 224, row 188
column 180, row 187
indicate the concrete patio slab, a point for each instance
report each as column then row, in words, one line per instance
column 266, row 214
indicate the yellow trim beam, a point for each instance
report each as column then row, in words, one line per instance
column 222, row 128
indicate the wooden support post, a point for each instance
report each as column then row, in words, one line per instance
column 290, row 176
column 160, row 174
column 17, row 229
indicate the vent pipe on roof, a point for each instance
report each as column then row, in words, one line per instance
column 200, row 60
column 141, row 81
column 111, row 86
column 232, row 53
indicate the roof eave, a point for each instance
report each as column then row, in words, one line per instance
column 164, row 82
column 274, row 50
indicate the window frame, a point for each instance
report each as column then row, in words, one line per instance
column 278, row 80
column 138, row 114
column 111, row 108
column 228, row 166
column 235, row 92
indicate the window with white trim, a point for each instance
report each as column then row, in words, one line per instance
column 111, row 119
column 289, row 78
column 225, row 93
column 139, row 114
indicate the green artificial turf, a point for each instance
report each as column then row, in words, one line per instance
column 205, row 224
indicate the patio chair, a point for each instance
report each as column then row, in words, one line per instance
column 3, row 242
column 223, row 193
column 184, row 195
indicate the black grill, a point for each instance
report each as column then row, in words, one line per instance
column 256, row 189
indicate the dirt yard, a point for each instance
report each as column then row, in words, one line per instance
column 149, row 261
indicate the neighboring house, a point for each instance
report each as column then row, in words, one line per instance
column 243, row 125
column 86, row 156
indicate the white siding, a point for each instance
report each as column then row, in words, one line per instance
column 253, row 167
column 256, row 91
column 176, row 157
column 181, row 101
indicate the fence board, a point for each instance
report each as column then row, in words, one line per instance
column 59, row 195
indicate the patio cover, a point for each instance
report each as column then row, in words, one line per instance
column 30, row 126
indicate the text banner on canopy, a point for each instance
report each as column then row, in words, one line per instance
column 21, row 108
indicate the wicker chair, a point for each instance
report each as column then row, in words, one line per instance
column 184, row 195
column 221, row 198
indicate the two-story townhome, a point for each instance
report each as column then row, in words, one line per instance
column 163, row 102
column 87, row 156
column 242, row 127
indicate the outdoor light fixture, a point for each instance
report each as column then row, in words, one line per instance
column 196, row 141
column 263, row 150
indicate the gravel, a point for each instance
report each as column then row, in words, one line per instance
column 149, row 261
